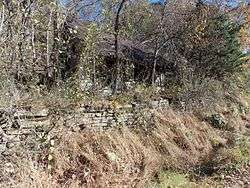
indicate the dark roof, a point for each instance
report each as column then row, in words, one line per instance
column 131, row 51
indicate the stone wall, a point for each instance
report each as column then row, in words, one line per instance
column 20, row 125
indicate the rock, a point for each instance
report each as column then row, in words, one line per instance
column 218, row 121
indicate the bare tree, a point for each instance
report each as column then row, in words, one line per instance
column 117, row 75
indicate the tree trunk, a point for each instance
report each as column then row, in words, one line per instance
column 116, row 71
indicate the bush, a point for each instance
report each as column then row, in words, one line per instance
column 173, row 179
column 211, row 44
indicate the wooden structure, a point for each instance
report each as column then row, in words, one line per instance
column 140, row 58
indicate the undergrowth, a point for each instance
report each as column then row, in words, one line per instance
column 116, row 158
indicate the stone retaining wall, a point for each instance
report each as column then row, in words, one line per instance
column 22, row 124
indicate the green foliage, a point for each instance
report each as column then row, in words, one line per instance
column 228, row 160
column 213, row 59
column 173, row 179
column 230, row 51
column 218, row 121
column 54, row 45
column 216, row 52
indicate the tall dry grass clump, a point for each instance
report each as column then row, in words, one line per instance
column 121, row 157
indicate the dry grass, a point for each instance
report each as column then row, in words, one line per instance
column 118, row 158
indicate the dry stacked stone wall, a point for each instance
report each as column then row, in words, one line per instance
column 22, row 125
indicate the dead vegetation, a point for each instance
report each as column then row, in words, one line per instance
column 119, row 158
column 185, row 53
